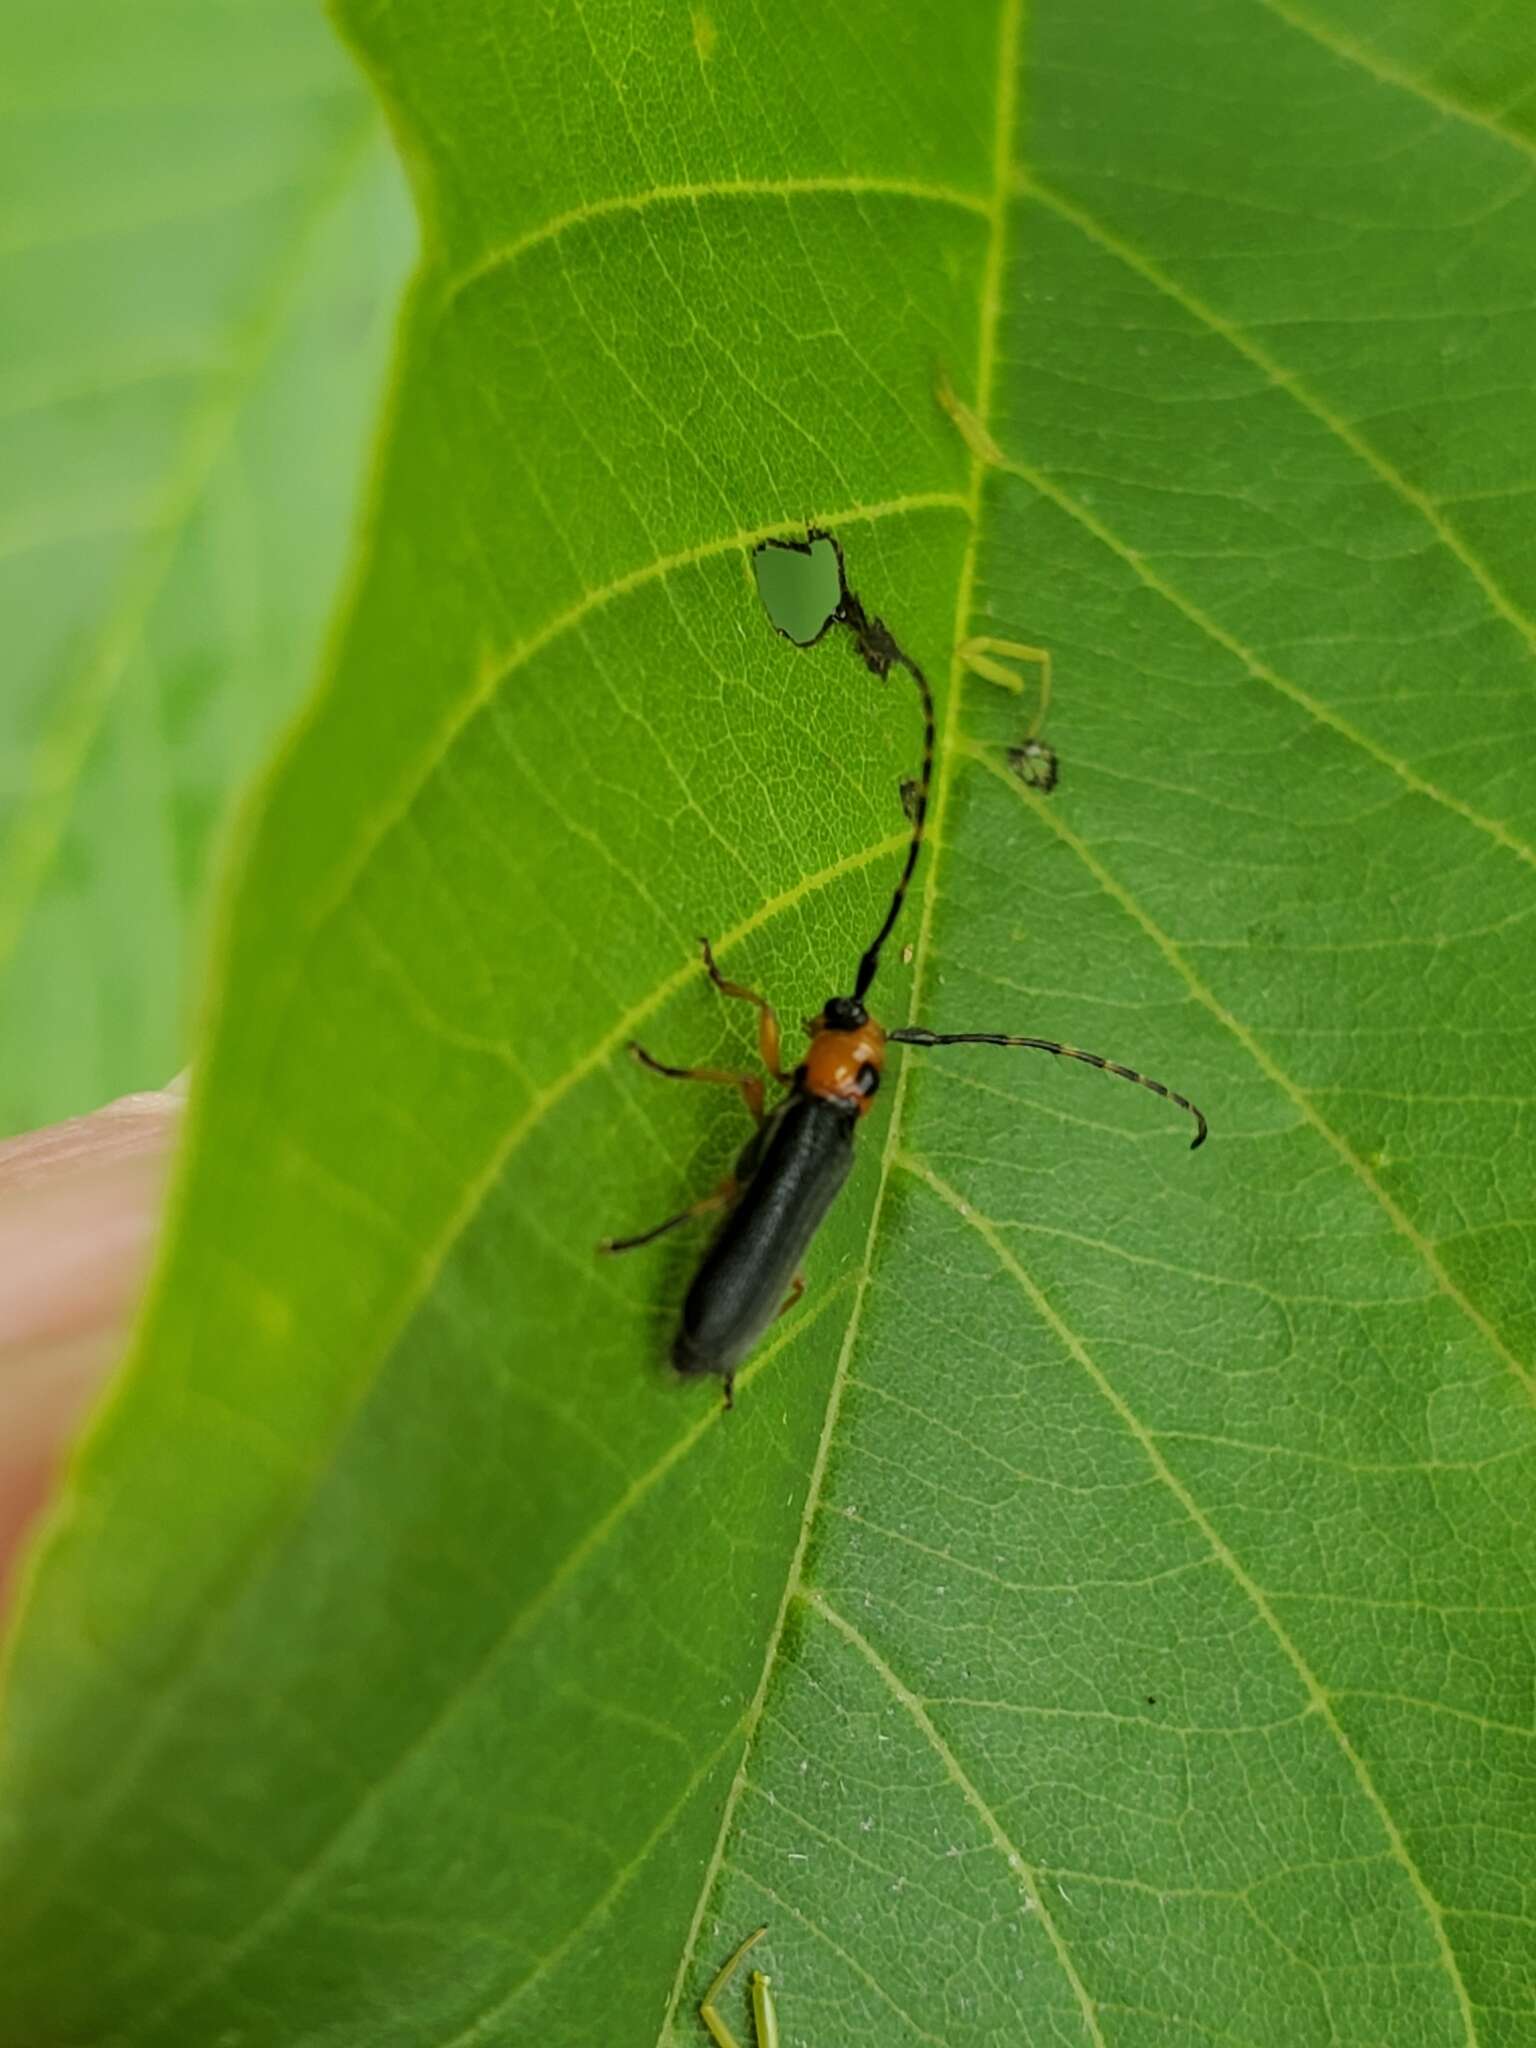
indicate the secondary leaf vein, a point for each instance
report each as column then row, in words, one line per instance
column 1317, row 1694
column 504, row 254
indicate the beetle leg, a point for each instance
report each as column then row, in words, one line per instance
column 767, row 1019
column 797, row 1288
column 765, row 2020
column 715, row 1199
column 750, row 1084
column 980, row 655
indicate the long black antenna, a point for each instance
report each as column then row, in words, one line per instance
column 914, row 1034
column 880, row 654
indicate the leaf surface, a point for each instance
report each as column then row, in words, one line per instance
column 1106, row 1617
column 204, row 243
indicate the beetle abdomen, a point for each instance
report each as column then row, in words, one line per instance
column 750, row 1266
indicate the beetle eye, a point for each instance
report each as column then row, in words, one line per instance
column 869, row 1079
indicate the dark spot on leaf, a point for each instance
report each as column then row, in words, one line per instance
column 1035, row 764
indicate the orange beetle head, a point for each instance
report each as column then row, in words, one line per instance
column 846, row 1054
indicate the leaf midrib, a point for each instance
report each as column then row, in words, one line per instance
column 1010, row 179
column 532, row 1115
column 527, row 1617
column 989, row 306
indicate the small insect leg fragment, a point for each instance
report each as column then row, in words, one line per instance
column 767, row 1016
column 765, row 2019
column 717, row 1198
column 1031, row 760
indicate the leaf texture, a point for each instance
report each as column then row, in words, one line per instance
column 1106, row 1618
column 202, row 252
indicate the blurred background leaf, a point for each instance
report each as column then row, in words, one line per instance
column 1106, row 1617
column 203, row 243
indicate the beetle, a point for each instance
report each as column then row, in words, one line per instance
column 795, row 1164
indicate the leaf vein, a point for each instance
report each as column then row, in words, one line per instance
column 1295, row 388
column 496, row 670
column 1001, row 1840
column 1317, row 1694
column 518, row 1625
column 1274, row 1072
column 1385, row 72
column 1260, row 669
column 420, row 1285
column 505, row 254
column 989, row 313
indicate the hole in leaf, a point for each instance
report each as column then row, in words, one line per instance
column 801, row 585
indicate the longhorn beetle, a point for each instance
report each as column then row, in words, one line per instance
column 791, row 1170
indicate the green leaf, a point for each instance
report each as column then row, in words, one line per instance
column 203, row 251
column 1106, row 1617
